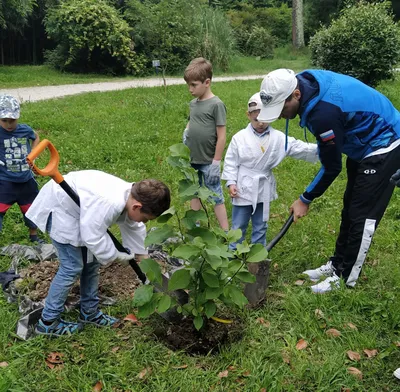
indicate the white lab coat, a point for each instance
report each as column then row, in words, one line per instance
column 247, row 166
column 102, row 198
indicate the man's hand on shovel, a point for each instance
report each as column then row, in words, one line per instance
column 299, row 209
column 124, row 258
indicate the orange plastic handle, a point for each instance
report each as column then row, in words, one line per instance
column 52, row 167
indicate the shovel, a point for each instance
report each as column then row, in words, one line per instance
column 52, row 171
column 255, row 292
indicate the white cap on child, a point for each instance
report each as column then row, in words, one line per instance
column 254, row 103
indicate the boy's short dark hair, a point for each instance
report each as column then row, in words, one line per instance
column 154, row 196
column 198, row 69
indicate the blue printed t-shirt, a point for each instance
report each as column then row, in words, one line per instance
column 14, row 148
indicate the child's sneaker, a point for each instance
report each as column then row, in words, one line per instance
column 396, row 373
column 99, row 319
column 58, row 328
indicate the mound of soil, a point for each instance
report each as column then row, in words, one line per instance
column 209, row 339
column 116, row 281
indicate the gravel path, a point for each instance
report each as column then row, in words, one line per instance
column 33, row 94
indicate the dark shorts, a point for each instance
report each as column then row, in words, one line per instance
column 22, row 193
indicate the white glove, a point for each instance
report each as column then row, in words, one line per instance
column 123, row 258
column 184, row 135
column 214, row 172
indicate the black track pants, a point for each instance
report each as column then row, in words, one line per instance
column 367, row 195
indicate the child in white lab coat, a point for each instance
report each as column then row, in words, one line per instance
column 252, row 154
column 83, row 245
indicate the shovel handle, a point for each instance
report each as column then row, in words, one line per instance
column 51, row 168
column 52, row 171
column 281, row 233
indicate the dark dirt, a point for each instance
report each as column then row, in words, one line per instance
column 209, row 339
column 116, row 281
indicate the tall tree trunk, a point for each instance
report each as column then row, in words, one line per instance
column 297, row 24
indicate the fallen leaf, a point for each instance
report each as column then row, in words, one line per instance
column 263, row 322
column 263, row 390
column 223, row 374
column 370, row 353
column 246, row 373
column 144, row 373
column 55, row 358
column 231, row 367
column 355, row 372
column 299, row 282
column 353, row 355
column 180, row 367
column 132, row 318
column 352, row 326
column 69, row 162
column 115, row 349
column 50, row 365
column 276, row 266
column 333, row 332
column 98, row 387
column 319, row 313
column 3, row 364
column 397, row 344
column 301, row 344
column 344, row 389
column 240, row 381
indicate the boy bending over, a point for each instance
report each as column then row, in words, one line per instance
column 83, row 245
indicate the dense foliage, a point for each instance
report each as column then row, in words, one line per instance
column 89, row 35
column 363, row 42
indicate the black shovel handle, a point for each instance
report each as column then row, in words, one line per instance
column 281, row 233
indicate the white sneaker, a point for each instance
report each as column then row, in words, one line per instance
column 321, row 272
column 396, row 373
column 331, row 283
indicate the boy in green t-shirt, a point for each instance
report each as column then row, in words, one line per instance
column 205, row 134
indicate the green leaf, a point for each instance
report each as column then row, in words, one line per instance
column 152, row 270
column 159, row 235
column 166, row 215
column 213, row 293
column 147, row 309
column 180, row 279
column 243, row 248
column 185, row 251
column 210, row 279
column 235, row 295
column 164, row 304
column 204, row 193
column 190, row 191
column 143, row 295
column 198, row 322
column 234, row 235
column 210, row 308
column 206, row 235
column 180, row 150
column 257, row 253
column 217, row 251
column 191, row 217
column 246, row 277
column 214, row 261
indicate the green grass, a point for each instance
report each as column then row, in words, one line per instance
column 127, row 133
column 42, row 75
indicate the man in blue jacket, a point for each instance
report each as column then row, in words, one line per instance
column 346, row 116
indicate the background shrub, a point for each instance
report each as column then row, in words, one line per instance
column 260, row 43
column 363, row 42
column 216, row 37
column 90, row 36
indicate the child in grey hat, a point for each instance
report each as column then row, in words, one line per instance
column 17, row 184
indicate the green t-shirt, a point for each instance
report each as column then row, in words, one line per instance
column 201, row 139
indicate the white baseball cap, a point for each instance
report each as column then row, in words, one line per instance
column 255, row 99
column 275, row 88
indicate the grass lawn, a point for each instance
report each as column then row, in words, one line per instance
column 127, row 133
column 42, row 75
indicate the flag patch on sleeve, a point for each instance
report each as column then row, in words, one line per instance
column 326, row 136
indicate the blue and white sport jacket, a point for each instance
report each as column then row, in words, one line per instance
column 346, row 116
